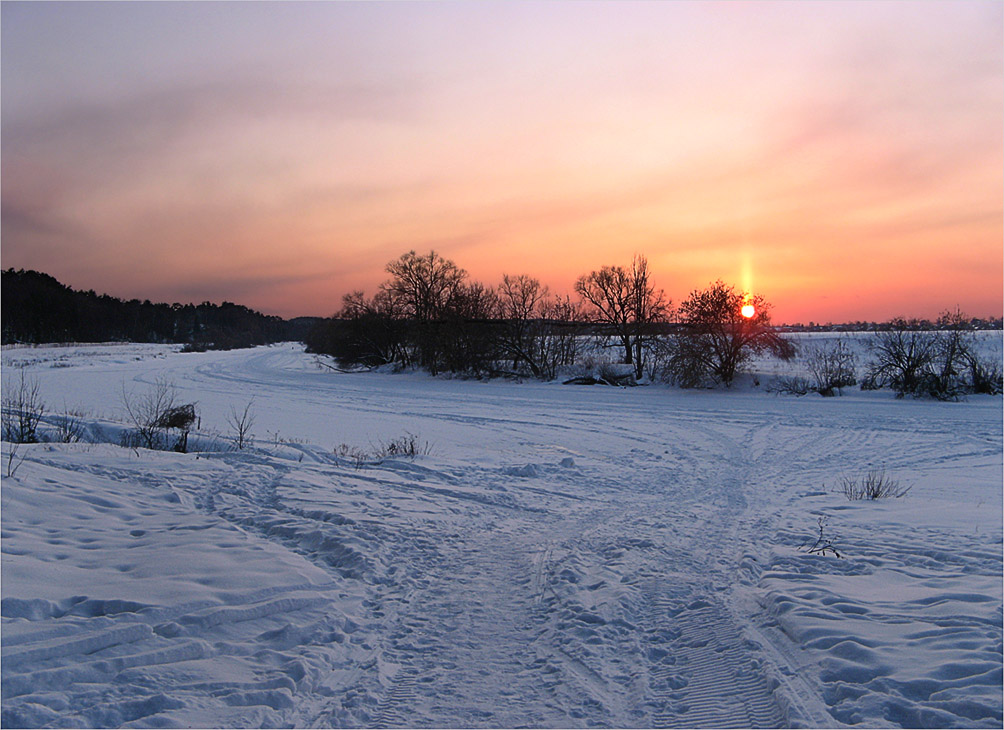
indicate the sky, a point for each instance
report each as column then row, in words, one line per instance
column 845, row 159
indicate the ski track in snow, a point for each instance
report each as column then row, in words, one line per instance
column 565, row 557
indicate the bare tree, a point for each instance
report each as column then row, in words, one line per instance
column 717, row 339
column 426, row 290
column 902, row 357
column 22, row 409
column 628, row 303
column 422, row 286
column 944, row 363
column 538, row 329
column 647, row 306
column 520, row 302
column 952, row 357
column 241, row 422
column 832, row 367
column 558, row 337
column 149, row 410
column 464, row 339
column 365, row 331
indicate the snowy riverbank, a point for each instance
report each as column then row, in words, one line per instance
column 562, row 556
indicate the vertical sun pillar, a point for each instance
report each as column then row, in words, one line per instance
column 748, row 310
column 747, row 272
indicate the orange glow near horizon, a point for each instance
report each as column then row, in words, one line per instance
column 287, row 162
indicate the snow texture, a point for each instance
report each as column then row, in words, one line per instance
column 562, row 556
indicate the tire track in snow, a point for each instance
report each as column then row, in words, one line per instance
column 704, row 675
column 539, row 585
column 393, row 706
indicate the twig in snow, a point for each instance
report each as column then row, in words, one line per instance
column 822, row 543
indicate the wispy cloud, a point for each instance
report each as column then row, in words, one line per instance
column 234, row 145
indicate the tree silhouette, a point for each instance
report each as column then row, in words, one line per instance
column 628, row 303
column 717, row 340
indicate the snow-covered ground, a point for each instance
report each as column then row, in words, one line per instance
column 562, row 556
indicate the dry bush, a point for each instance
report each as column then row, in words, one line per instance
column 832, row 367
column 876, row 484
column 352, row 455
column 902, row 358
column 985, row 374
column 22, row 409
column 240, row 422
column 942, row 364
column 154, row 413
column 408, row 446
column 791, row 385
column 69, row 428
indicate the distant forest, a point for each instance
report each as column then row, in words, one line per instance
column 38, row 308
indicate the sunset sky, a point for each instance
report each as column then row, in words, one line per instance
column 843, row 159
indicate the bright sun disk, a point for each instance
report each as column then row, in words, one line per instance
column 748, row 311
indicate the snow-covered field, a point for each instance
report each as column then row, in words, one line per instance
column 562, row 556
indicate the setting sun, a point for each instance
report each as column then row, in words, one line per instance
column 748, row 311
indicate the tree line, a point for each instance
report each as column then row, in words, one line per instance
column 943, row 362
column 430, row 314
column 925, row 325
column 37, row 308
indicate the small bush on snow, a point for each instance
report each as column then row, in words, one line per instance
column 240, row 422
column 876, row 484
column 153, row 414
column 408, row 446
column 22, row 410
column 942, row 364
column 790, row 385
column 985, row 375
column 832, row 367
column 69, row 428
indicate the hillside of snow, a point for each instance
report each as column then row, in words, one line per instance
column 552, row 556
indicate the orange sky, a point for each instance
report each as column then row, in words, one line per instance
column 847, row 157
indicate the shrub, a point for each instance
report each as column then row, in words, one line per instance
column 22, row 410
column 871, row 382
column 404, row 446
column 153, row 414
column 985, row 375
column 408, row 446
column 876, row 484
column 831, row 367
column 942, row 364
column 352, row 454
column 903, row 357
column 69, row 428
column 240, row 422
column 946, row 379
column 14, row 458
column 791, row 385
